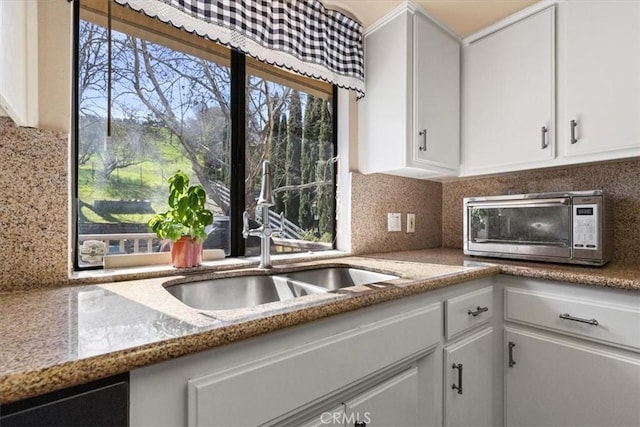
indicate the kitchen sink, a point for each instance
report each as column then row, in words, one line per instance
column 251, row 291
column 334, row 278
column 228, row 293
column 240, row 292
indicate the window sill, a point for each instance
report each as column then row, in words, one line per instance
column 152, row 271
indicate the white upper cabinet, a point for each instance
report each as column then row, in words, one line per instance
column 436, row 70
column 508, row 101
column 409, row 118
column 19, row 61
column 599, row 79
column 35, row 62
column 510, row 96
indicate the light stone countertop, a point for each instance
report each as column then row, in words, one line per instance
column 55, row 338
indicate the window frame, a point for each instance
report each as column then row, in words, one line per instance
column 239, row 64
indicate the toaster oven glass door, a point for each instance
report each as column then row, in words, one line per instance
column 536, row 227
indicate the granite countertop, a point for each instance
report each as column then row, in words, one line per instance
column 613, row 274
column 55, row 338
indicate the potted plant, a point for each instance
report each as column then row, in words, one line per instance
column 184, row 222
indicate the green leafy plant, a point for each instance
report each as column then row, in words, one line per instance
column 187, row 215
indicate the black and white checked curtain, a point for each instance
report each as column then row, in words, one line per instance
column 300, row 35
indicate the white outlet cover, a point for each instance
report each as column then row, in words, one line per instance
column 411, row 223
column 394, row 222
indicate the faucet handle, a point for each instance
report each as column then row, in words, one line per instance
column 245, row 224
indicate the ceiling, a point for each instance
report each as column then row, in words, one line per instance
column 464, row 17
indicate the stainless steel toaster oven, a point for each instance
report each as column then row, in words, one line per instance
column 568, row 227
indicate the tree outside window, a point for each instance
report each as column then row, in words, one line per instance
column 171, row 109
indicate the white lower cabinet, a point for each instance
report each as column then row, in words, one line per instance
column 276, row 387
column 570, row 354
column 470, row 390
column 468, row 394
column 568, row 357
column 375, row 366
column 553, row 381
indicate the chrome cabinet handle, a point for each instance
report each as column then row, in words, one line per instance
column 544, row 143
column 511, row 361
column 574, row 124
column 478, row 311
column 459, row 386
column 567, row 316
column 423, row 134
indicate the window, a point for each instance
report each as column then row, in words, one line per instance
column 173, row 107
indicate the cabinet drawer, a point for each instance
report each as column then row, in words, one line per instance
column 467, row 311
column 614, row 324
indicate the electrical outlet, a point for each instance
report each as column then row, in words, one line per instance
column 411, row 223
column 394, row 222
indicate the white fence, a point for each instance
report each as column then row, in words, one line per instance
column 121, row 240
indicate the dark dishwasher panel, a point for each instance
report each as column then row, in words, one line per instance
column 100, row 403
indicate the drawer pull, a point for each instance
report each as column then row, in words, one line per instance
column 573, row 124
column 511, row 361
column 459, row 386
column 544, row 143
column 567, row 316
column 423, row 134
column 478, row 311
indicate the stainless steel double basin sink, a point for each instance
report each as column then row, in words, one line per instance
column 253, row 290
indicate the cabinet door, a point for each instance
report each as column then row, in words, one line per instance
column 19, row 61
column 436, row 76
column 470, row 403
column 243, row 394
column 383, row 113
column 557, row 382
column 392, row 403
column 413, row 84
column 509, row 97
column 599, row 70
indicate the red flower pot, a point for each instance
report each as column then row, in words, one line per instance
column 186, row 252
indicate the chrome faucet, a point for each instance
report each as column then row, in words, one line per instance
column 265, row 231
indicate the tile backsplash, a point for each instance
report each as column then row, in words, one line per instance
column 621, row 180
column 33, row 211
column 373, row 196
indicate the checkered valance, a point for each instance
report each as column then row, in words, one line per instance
column 300, row 35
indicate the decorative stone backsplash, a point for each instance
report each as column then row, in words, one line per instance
column 33, row 212
column 620, row 179
column 373, row 196
column 34, row 223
